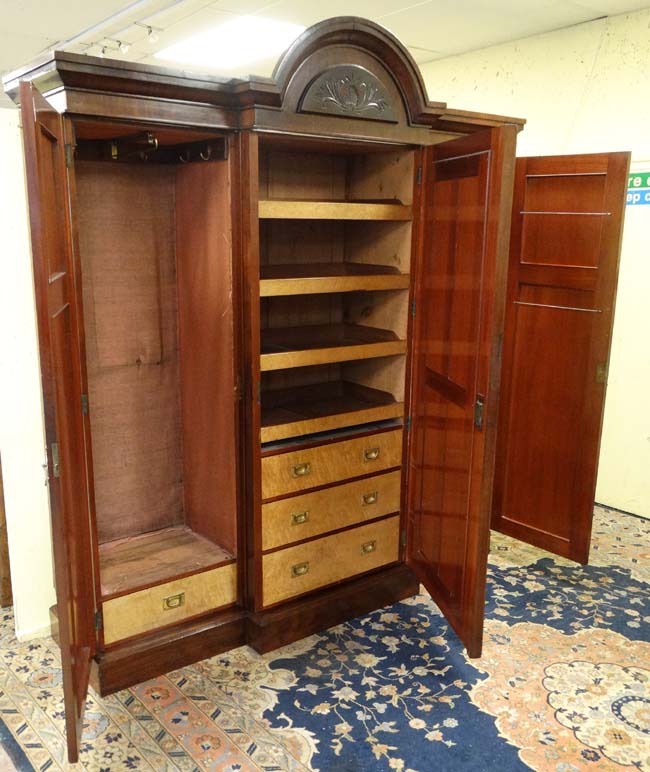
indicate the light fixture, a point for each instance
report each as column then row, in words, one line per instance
column 233, row 44
column 152, row 37
column 102, row 52
column 124, row 47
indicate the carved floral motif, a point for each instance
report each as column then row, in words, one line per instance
column 352, row 95
column 351, row 90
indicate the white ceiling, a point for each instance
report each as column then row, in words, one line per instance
column 430, row 28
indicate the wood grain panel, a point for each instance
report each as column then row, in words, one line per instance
column 336, row 354
column 332, row 210
column 326, row 423
column 143, row 611
column 330, row 463
column 561, row 239
column 321, row 176
column 207, row 349
column 546, row 339
column 333, row 281
column 326, row 397
column 556, row 347
column 311, row 514
column 60, row 332
column 569, row 191
column 385, row 243
column 139, row 561
column 301, row 242
column 460, row 291
column 388, row 175
column 329, row 560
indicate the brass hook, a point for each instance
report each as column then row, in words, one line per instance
column 208, row 153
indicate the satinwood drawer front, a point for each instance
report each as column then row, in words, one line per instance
column 311, row 514
column 145, row 610
column 299, row 470
column 318, row 563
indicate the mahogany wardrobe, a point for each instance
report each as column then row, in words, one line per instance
column 270, row 314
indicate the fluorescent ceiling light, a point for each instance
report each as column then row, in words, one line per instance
column 240, row 41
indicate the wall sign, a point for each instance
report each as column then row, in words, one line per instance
column 638, row 189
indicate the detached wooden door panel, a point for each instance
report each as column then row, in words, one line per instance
column 460, row 292
column 564, row 254
column 60, row 368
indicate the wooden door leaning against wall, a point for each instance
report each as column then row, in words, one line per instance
column 567, row 222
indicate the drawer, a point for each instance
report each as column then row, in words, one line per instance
column 145, row 610
column 299, row 470
column 305, row 567
column 311, row 514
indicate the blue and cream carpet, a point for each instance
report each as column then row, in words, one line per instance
column 563, row 685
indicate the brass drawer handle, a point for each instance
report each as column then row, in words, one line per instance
column 370, row 454
column 173, row 601
column 298, row 518
column 300, row 569
column 300, row 470
column 368, row 547
column 370, row 498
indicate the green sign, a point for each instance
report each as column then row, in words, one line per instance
column 638, row 180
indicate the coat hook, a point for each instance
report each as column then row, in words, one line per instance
column 184, row 157
column 208, row 153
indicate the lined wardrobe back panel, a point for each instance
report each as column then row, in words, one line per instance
column 126, row 235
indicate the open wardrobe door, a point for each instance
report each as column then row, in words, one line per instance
column 54, row 282
column 460, row 292
column 567, row 223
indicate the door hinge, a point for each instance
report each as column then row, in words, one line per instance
column 478, row 413
column 413, row 306
column 54, row 448
column 408, row 423
column 69, row 155
column 84, row 404
column 259, row 392
column 601, row 372
column 418, row 176
column 402, row 537
column 99, row 622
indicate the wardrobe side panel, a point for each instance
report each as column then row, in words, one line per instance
column 208, row 378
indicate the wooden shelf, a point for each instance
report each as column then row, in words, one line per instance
column 323, row 407
column 279, row 209
column 151, row 558
column 317, row 278
column 287, row 347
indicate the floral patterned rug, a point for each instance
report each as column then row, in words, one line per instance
column 563, row 685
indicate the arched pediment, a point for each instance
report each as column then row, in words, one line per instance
column 352, row 67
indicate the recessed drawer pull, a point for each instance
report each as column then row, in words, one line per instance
column 298, row 518
column 368, row 547
column 173, row 601
column 300, row 470
column 370, row 454
column 300, row 569
column 370, row 498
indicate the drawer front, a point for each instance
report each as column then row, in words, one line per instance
column 311, row 514
column 321, row 562
column 145, row 610
column 299, row 470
